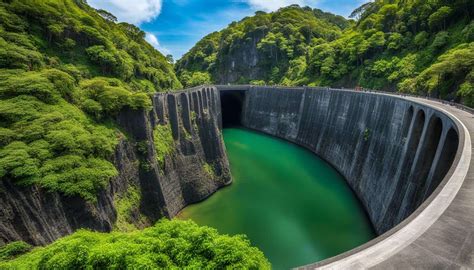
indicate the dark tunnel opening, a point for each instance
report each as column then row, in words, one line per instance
column 232, row 103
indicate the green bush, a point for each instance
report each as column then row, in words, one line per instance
column 167, row 245
column 13, row 249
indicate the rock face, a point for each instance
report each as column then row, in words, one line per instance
column 392, row 152
column 196, row 167
column 241, row 63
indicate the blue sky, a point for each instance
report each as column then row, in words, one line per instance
column 174, row 26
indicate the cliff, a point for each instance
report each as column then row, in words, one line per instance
column 195, row 167
column 392, row 152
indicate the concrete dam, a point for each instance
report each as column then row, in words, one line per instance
column 401, row 156
column 408, row 160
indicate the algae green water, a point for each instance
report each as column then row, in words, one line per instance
column 290, row 203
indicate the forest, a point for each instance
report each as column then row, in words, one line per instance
column 411, row 46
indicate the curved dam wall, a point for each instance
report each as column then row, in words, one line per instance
column 392, row 152
column 166, row 185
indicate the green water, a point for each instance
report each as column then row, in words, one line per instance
column 291, row 204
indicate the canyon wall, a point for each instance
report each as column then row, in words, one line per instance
column 392, row 152
column 195, row 166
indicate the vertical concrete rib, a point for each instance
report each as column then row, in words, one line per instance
column 200, row 106
column 400, row 183
column 173, row 115
column 185, row 112
column 447, row 151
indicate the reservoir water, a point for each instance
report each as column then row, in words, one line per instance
column 290, row 203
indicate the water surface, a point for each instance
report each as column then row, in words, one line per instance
column 290, row 203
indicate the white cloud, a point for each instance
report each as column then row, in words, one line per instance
column 273, row 5
column 153, row 40
column 131, row 11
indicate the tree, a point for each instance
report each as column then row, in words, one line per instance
column 439, row 17
column 169, row 58
column 359, row 12
column 395, row 41
column 107, row 15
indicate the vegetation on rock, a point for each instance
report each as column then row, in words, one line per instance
column 167, row 245
column 164, row 142
column 13, row 249
column 417, row 46
column 127, row 206
column 65, row 70
column 209, row 170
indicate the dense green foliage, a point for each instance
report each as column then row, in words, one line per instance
column 282, row 37
column 13, row 250
column 167, row 245
column 416, row 46
column 65, row 70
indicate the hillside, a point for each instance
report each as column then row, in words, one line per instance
column 415, row 46
column 267, row 46
column 65, row 71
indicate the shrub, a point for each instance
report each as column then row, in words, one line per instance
column 167, row 245
column 13, row 249
column 48, row 85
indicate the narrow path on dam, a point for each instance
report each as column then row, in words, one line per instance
column 290, row 203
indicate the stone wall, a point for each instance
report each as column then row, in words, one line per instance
column 392, row 152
